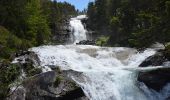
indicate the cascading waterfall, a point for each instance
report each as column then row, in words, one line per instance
column 106, row 73
column 79, row 32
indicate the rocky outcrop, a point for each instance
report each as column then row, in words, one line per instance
column 155, row 79
column 36, row 85
column 62, row 33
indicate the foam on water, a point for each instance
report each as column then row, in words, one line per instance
column 107, row 73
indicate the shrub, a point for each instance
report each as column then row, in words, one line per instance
column 8, row 74
column 102, row 41
column 14, row 42
column 114, row 21
column 4, row 34
column 134, row 43
column 34, row 71
column 57, row 81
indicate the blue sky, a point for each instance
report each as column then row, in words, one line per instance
column 79, row 4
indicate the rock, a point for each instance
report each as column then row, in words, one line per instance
column 22, row 53
column 86, row 42
column 38, row 86
column 72, row 95
column 19, row 94
column 84, row 20
column 155, row 79
column 42, row 87
column 158, row 46
column 63, row 33
column 155, row 60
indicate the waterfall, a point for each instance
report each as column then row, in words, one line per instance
column 107, row 73
column 77, row 28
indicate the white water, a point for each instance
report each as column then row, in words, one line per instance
column 107, row 73
column 79, row 32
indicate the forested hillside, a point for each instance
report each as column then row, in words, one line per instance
column 24, row 24
column 135, row 23
column 27, row 23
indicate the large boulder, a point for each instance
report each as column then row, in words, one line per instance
column 155, row 79
column 52, row 85
column 36, row 85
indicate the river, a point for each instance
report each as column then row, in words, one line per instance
column 107, row 73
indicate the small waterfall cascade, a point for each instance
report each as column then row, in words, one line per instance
column 106, row 73
column 78, row 29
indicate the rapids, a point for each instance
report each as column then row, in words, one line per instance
column 107, row 73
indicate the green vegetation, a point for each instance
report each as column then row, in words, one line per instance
column 57, row 81
column 8, row 43
column 59, row 78
column 135, row 23
column 27, row 23
column 102, row 41
column 34, row 71
column 24, row 24
column 8, row 74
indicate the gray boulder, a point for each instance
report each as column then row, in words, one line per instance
column 53, row 85
column 155, row 79
column 155, row 60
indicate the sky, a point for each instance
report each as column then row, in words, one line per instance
column 79, row 4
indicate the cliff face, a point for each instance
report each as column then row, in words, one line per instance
column 63, row 33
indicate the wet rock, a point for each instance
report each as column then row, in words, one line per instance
column 22, row 53
column 86, row 42
column 84, row 20
column 158, row 46
column 155, row 79
column 72, row 95
column 155, row 60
